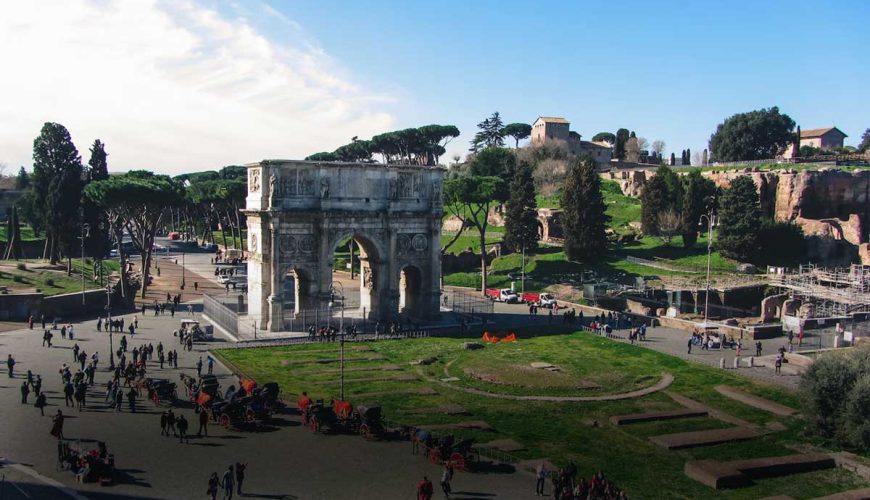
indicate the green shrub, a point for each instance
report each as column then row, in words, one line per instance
column 835, row 392
column 49, row 282
column 21, row 266
column 17, row 279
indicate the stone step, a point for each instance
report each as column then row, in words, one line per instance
column 657, row 415
column 739, row 473
column 755, row 401
column 682, row 440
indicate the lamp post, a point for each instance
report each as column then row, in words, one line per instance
column 182, row 275
column 340, row 331
column 86, row 231
column 523, row 271
column 711, row 223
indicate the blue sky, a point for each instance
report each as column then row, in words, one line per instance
column 187, row 85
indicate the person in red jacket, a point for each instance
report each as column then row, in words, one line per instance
column 424, row 489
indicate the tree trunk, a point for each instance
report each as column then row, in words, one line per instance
column 483, row 260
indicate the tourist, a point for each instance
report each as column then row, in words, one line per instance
column 446, row 477
column 541, row 473
column 40, row 403
column 57, row 425
column 199, row 367
column 690, row 343
column 213, row 483
column 424, row 489
column 203, row 424
column 182, row 429
column 210, row 365
column 758, row 348
column 68, row 391
column 778, row 364
column 170, row 423
column 10, row 365
column 131, row 400
column 227, row 483
column 25, row 391
column 240, row 476
column 163, row 424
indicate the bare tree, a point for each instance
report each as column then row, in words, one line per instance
column 549, row 175
column 658, row 146
column 670, row 223
column 698, row 159
column 642, row 144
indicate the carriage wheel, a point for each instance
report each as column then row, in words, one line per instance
column 435, row 456
column 365, row 431
column 458, row 461
column 225, row 421
column 314, row 424
column 156, row 399
column 250, row 416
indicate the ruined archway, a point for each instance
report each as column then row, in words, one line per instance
column 360, row 288
column 300, row 212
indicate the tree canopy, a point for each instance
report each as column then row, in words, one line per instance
column 521, row 210
column 490, row 133
column 604, row 136
column 410, row 146
column 739, row 220
column 756, row 135
column 493, row 161
column 518, row 131
column 865, row 142
column 584, row 218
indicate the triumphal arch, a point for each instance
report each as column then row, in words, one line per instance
column 298, row 211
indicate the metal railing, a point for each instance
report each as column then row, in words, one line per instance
column 224, row 314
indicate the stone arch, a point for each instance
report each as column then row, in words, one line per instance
column 371, row 279
column 297, row 288
column 410, row 290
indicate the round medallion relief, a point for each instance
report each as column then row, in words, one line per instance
column 419, row 242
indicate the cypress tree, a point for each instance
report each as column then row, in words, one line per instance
column 584, row 219
column 521, row 210
column 739, row 220
column 673, row 159
column 688, row 157
column 699, row 193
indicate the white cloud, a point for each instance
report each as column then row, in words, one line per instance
column 171, row 87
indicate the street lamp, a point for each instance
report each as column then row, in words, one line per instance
column 340, row 331
column 711, row 223
column 86, row 231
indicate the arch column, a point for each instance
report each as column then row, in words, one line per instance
column 276, row 303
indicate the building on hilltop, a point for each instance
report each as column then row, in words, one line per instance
column 551, row 129
column 826, row 139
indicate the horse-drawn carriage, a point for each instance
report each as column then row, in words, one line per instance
column 444, row 449
column 160, row 391
column 341, row 416
column 247, row 405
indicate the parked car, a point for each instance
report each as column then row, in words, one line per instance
column 502, row 295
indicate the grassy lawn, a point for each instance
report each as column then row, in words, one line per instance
column 230, row 241
column 470, row 239
column 559, row 431
column 51, row 282
column 26, row 233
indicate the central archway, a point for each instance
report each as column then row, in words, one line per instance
column 356, row 266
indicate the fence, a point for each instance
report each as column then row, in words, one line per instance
column 225, row 314
column 472, row 305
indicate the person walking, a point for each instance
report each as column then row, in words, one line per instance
column 446, row 477
column 758, row 348
column 213, row 483
column 541, row 476
column 40, row 403
column 163, row 424
column 160, row 359
column 203, row 424
column 57, row 425
column 25, row 391
column 199, row 367
column 131, row 400
column 240, row 476
column 10, row 365
column 68, row 391
column 227, row 481
column 210, row 365
column 424, row 489
column 182, row 429
column 170, row 423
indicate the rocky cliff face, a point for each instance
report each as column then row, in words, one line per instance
column 832, row 206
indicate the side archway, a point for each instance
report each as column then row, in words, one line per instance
column 410, row 291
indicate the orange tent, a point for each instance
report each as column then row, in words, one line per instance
column 489, row 338
column 510, row 338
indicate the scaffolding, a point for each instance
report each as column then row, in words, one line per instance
column 833, row 292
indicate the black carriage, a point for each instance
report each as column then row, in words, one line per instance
column 446, row 450
column 232, row 413
column 320, row 417
column 370, row 421
column 161, row 391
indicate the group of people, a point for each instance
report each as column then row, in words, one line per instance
column 637, row 333
column 232, row 478
column 425, row 489
column 116, row 325
column 566, row 485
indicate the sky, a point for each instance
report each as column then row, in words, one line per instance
column 188, row 85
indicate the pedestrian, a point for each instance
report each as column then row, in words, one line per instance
column 30, row 321
column 163, row 424
column 690, row 344
column 42, row 319
column 100, row 324
column 57, row 425
column 550, row 317
column 182, row 429
column 199, row 367
column 541, row 477
column 758, row 348
column 203, row 424
column 25, row 391
column 195, row 286
column 170, row 423
column 227, row 483
column 424, row 489
column 10, row 365
column 213, row 482
column 210, row 365
column 131, row 400
column 40, row 403
column 68, row 391
column 240, row 476
column 160, row 359
column 37, row 385
column 778, row 364
column 446, row 477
